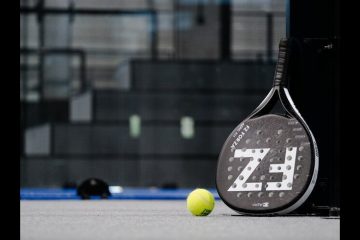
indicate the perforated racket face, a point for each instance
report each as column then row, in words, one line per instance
column 265, row 165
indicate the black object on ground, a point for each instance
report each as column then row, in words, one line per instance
column 93, row 187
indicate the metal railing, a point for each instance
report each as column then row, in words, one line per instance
column 40, row 11
column 42, row 52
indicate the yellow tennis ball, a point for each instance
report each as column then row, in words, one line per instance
column 200, row 202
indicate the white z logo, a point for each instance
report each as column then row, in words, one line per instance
column 256, row 156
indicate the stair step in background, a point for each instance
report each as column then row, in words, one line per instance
column 115, row 105
column 115, row 139
column 201, row 75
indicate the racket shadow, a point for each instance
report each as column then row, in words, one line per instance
column 284, row 216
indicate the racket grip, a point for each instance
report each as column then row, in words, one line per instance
column 281, row 78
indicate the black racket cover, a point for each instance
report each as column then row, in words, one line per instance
column 269, row 163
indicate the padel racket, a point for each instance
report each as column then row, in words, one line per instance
column 269, row 163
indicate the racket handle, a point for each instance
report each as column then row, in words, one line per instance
column 281, row 78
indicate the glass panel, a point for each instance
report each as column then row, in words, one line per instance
column 98, row 94
column 249, row 42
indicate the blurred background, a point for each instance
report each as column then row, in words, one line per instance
column 139, row 92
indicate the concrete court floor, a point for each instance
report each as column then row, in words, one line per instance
column 154, row 219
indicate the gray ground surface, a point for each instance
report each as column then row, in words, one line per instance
column 160, row 220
